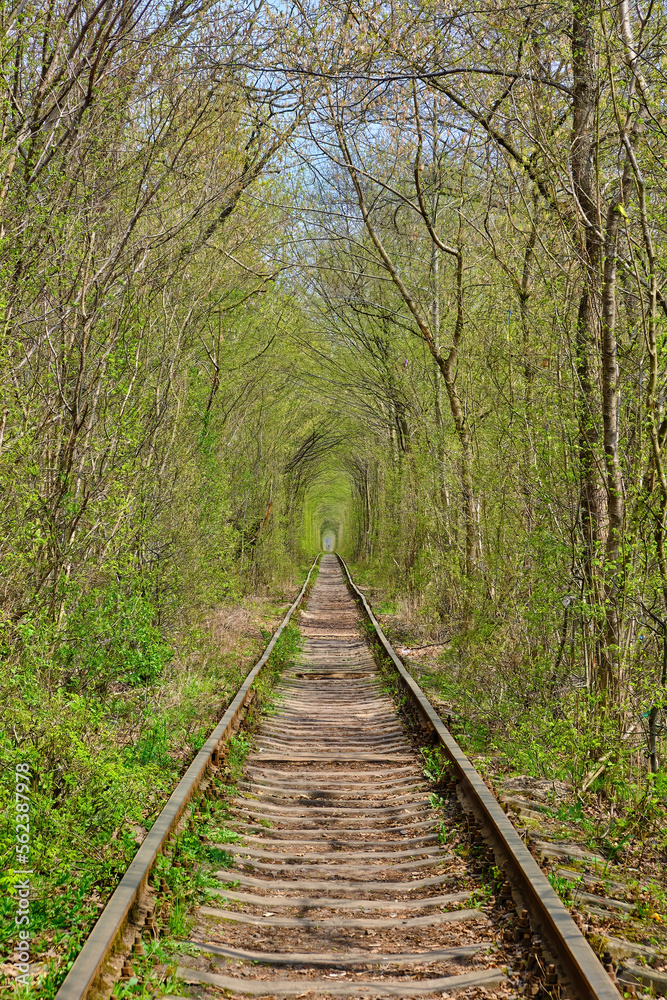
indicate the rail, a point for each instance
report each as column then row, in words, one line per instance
column 574, row 958
column 99, row 947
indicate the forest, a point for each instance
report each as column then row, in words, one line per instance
column 386, row 276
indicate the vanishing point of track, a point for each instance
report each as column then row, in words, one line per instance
column 346, row 881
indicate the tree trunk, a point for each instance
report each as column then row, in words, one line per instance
column 593, row 502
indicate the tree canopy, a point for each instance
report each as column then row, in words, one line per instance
column 390, row 274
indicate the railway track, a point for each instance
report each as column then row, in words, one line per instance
column 343, row 885
column 344, row 879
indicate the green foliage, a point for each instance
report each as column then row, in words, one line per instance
column 287, row 647
column 220, row 858
column 152, row 747
column 103, row 761
column 179, row 924
column 225, row 836
column 110, row 637
column 436, row 763
column 283, row 655
column 238, row 748
column 563, row 886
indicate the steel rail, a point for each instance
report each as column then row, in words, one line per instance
column 575, row 960
column 108, row 930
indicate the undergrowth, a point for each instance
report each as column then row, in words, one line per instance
column 103, row 759
column 515, row 715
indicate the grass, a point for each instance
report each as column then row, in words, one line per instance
column 190, row 870
column 516, row 731
column 102, row 767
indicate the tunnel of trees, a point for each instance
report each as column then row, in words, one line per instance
column 391, row 277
